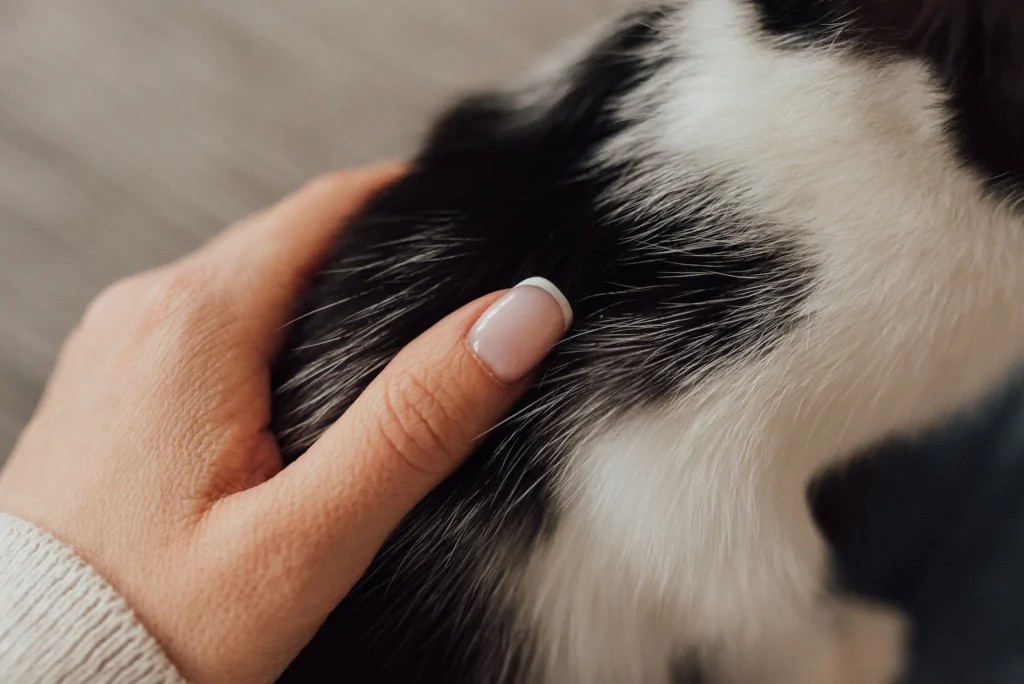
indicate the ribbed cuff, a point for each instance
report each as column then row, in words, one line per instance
column 61, row 622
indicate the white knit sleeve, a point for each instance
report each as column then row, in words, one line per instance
column 61, row 622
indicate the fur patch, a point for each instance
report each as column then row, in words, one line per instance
column 776, row 225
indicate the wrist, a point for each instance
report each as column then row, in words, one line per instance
column 61, row 621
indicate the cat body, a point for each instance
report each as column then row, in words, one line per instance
column 788, row 229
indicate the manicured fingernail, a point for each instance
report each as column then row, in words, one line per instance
column 519, row 330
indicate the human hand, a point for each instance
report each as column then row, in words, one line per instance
column 150, row 452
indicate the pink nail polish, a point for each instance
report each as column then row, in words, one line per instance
column 519, row 330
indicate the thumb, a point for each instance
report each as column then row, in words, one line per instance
column 418, row 421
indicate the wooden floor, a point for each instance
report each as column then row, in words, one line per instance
column 131, row 130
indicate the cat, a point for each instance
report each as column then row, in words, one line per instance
column 788, row 229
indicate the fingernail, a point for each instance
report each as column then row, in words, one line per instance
column 519, row 330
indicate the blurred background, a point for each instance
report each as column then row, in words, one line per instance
column 132, row 130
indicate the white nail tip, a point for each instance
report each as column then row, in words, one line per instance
column 556, row 294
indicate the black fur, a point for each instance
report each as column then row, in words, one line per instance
column 689, row 671
column 499, row 195
column 507, row 198
column 935, row 525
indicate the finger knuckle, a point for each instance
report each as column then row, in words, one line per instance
column 422, row 424
column 183, row 299
column 116, row 300
column 329, row 182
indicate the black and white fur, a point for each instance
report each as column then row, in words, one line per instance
column 788, row 228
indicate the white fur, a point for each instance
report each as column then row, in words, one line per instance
column 699, row 507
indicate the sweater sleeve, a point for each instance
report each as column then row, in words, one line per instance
column 61, row 622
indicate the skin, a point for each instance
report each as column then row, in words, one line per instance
column 150, row 451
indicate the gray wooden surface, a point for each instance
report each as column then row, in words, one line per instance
column 131, row 130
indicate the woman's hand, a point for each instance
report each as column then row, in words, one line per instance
column 150, row 452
